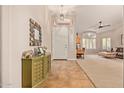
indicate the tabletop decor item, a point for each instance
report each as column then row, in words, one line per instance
column 27, row 54
column 44, row 49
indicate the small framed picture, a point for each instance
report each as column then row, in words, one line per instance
column 41, row 50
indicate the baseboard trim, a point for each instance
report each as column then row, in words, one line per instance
column 5, row 86
column 71, row 59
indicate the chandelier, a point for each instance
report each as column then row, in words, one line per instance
column 61, row 16
column 61, row 11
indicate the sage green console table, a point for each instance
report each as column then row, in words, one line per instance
column 35, row 70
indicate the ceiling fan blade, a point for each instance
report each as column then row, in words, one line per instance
column 98, row 26
column 106, row 25
column 103, row 26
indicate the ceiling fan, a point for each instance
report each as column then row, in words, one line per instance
column 99, row 26
column 102, row 26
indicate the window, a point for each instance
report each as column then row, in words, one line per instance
column 89, row 43
column 89, row 40
column 106, row 43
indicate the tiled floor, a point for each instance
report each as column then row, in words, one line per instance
column 66, row 74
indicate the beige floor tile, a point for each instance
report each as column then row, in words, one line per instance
column 66, row 74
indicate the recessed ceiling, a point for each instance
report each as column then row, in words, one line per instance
column 90, row 15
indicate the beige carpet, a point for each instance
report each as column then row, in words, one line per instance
column 104, row 73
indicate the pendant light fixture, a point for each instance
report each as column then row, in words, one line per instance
column 61, row 13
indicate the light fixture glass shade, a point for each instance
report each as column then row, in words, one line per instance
column 89, row 34
column 61, row 16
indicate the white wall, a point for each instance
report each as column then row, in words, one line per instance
column 115, row 36
column 71, row 44
column 47, row 30
column 72, row 41
column 0, row 46
column 5, row 46
column 15, row 39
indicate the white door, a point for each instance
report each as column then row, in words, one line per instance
column 60, row 42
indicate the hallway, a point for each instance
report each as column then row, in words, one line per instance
column 66, row 74
column 33, row 35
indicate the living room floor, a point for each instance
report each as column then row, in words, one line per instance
column 67, row 74
column 104, row 72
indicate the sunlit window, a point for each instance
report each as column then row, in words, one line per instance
column 89, row 40
column 106, row 43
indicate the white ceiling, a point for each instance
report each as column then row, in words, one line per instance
column 56, row 9
column 90, row 15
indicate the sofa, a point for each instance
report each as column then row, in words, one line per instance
column 108, row 54
column 120, row 53
column 114, row 53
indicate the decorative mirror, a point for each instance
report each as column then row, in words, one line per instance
column 35, row 33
